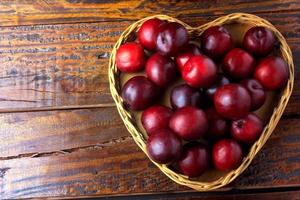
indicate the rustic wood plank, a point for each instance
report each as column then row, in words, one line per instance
column 41, row 132
column 249, row 195
column 14, row 12
column 110, row 164
column 89, row 152
column 65, row 66
column 56, row 65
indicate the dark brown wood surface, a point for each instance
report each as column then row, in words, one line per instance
column 60, row 133
column 15, row 12
column 295, row 195
column 61, row 66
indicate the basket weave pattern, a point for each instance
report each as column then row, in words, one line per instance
column 129, row 120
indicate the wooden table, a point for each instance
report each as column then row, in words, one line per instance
column 60, row 133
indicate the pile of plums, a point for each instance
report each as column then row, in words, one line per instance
column 211, row 120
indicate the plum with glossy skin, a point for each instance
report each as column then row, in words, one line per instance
column 189, row 123
column 163, row 146
column 259, row 41
column 256, row 91
column 221, row 80
column 247, row 129
column 200, row 72
column 218, row 126
column 272, row 73
column 227, row 154
column 160, row 69
column 130, row 57
column 232, row 101
column 184, row 95
column 216, row 41
column 171, row 38
column 156, row 117
column 238, row 64
column 188, row 51
column 194, row 160
column 139, row 93
column 148, row 32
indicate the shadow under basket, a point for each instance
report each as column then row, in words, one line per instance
column 237, row 24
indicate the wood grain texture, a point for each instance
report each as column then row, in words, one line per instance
column 291, row 195
column 14, row 12
column 36, row 133
column 54, row 56
column 87, row 159
column 65, row 66
column 56, row 65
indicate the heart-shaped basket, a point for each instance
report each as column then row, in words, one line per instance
column 211, row 181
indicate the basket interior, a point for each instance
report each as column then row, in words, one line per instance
column 237, row 30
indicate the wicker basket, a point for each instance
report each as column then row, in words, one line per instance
column 140, row 139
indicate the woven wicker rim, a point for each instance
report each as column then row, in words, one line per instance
column 137, row 135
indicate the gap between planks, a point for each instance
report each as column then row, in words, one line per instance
column 94, row 106
column 54, row 108
column 70, row 150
